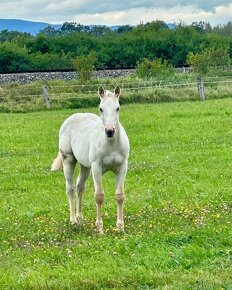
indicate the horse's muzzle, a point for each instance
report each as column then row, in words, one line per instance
column 110, row 132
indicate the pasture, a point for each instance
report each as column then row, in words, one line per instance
column 177, row 206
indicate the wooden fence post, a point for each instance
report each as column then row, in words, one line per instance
column 46, row 98
column 200, row 86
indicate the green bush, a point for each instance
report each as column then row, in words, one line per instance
column 84, row 65
column 13, row 57
column 153, row 68
column 49, row 61
column 209, row 57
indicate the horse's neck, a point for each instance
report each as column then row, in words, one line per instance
column 118, row 128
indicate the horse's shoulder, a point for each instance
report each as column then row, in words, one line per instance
column 91, row 116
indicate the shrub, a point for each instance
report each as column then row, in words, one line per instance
column 50, row 61
column 153, row 68
column 209, row 57
column 84, row 65
column 13, row 57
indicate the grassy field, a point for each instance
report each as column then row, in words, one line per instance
column 177, row 210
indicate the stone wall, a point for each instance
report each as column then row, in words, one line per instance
column 36, row 76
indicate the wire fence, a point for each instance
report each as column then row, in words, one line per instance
column 64, row 92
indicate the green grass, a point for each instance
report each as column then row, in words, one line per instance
column 177, row 210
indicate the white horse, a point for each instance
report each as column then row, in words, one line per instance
column 99, row 144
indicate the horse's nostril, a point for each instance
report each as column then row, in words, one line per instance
column 110, row 132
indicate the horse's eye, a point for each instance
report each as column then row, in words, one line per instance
column 117, row 109
column 101, row 110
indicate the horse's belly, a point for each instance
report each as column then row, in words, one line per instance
column 80, row 147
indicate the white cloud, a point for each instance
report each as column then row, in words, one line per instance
column 187, row 14
column 117, row 13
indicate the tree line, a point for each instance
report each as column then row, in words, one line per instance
column 125, row 46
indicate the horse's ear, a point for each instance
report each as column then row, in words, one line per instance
column 101, row 92
column 117, row 91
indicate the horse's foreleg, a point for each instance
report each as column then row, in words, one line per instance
column 99, row 195
column 120, row 177
column 69, row 163
column 83, row 175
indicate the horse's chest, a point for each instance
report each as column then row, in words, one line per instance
column 112, row 161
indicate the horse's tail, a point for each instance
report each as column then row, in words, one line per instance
column 57, row 163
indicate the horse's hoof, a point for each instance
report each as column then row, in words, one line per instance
column 79, row 219
column 120, row 226
column 100, row 232
column 99, row 226
column 73, row 221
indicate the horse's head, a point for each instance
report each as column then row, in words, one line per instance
column 109, row 107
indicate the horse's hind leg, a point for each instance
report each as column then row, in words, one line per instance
column 69, row 163
column 83, row 175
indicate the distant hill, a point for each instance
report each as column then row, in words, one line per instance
column 35, row 27
column 24, row 25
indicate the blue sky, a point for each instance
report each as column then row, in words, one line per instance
column 121, row 12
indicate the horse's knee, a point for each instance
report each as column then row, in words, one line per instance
column 70, row 190
column 99, row 198
column 120, row 198
column 80, row 187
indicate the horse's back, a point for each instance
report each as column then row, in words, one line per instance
column 75, row 134
column 78, row 121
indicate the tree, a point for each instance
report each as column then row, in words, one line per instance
column 153, row 26
column 13, row 58
column 9, row 36
column 100, row 30
column 201, row 26
column 84, row 65
column 124, row 28
column 209, row 57
column 153, row 68
column 70, row 27
column 49, row 30
column 40, row 44
column 123, row 47
column 199, row 62
column 50, row 61
column 224, row 30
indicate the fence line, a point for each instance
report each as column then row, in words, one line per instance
column 208, row 82
column 131, row 88
column 137, row 85
column 171, row 80
column 129, row 83
column 141, row 86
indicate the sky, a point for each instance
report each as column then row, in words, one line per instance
column 113, row 12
